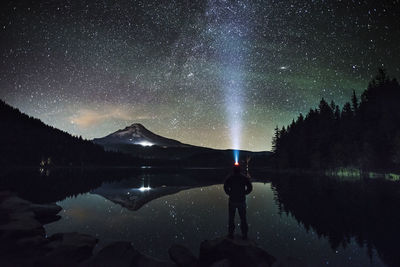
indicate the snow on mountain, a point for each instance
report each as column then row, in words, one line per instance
column 137, row 134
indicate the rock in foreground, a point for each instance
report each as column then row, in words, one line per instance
column 23, row 241
column 228, row 252
column 122, row 254
column 67, row 249
column 182, row 256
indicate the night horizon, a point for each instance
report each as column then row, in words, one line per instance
column 180, row 69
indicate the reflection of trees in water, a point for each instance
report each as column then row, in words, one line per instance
column 56, row 186
column 342, row 210
column 63, row 183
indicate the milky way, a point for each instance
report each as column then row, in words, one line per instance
column 92, row 67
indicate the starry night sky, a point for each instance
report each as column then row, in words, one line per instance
column 181, row 68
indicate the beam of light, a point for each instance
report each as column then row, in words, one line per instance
column 234, row 103
column 236, row 157
column 229, row 23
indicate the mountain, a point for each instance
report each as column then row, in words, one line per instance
column 136, row 140
column 137, row 134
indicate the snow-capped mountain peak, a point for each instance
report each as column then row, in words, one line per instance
column 137, row 134
column 134, row 130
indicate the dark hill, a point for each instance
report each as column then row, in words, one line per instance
column 26, row 141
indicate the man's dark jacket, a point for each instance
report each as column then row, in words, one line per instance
column 237, row 186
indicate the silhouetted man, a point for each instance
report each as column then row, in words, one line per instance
column 237, row 186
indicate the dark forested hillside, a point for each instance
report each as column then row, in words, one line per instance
column 28, row 141
column 364, row 134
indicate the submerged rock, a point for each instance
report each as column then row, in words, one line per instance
column 12, row 203
column 32, row 241
column 21, row 218
column 116, row 254
column 145, row 261
column 219, row 252
column 67, row 249
column 46, row 213
column 289, row 262
column 20, row 224
column 122, row 254
column 221, row 263
column 22, row 235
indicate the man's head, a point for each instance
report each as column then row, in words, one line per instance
column 236, row 169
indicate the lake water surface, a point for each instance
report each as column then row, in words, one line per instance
column 319, row 221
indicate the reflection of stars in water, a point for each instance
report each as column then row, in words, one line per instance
column 201, row 214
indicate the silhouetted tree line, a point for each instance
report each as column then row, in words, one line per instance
column 363, row 134
column 26, row 141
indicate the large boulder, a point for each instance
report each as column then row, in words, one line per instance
column 182, row 256
column 23, row 241
column 17, row 210
column 10, row 203
column 289, row 262
column 20, row 224
column 46, row 213
column 145, row 261
column 122, row 254
column 20, row 218
column 219, row 252
column 67, row 249
column 221, row 263
column 31, row 241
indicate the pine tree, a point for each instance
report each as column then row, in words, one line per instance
column 354, row 102
column 347, row 112
column 337, row 113
column 275, row 139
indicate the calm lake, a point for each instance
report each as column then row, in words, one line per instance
column 321, row 221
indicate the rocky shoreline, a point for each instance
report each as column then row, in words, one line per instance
column 23, row 242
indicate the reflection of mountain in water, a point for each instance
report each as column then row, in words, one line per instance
column 133, row 198
column 60, row 184
column 134, row 193
column 343, row 210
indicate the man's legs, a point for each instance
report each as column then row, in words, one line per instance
column 231, row 221
column 243, row 220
